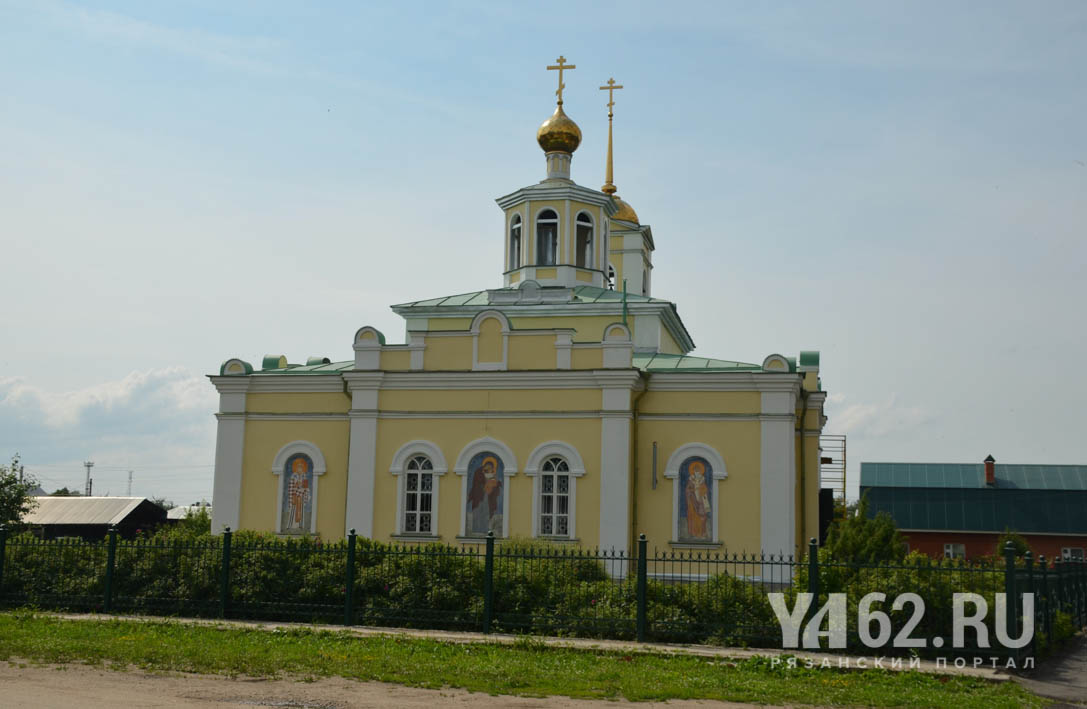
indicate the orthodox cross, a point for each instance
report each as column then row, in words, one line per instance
column 561, row 67
column 611, row 88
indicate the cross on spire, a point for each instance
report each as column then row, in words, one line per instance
column 611, row 89
column 561, row 67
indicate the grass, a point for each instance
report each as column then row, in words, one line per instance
column 528, row 667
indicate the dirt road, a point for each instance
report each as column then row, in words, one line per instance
column 82, row 687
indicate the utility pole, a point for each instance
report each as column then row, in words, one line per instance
column 129, row 493
column 87, row 486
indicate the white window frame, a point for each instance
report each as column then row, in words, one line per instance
column 1068, row 555
column 588, row 257
column 558, row 236
column 671, row 470
column 954, row 550
column 516, row 222
column 534, row 469
column 279, row 464
column 509, row 469
column 399, row 468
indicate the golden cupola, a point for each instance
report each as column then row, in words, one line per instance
column 559, row 136
column 559, row 133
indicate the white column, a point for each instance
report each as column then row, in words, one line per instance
column 778, row 472
column 362, row 453
column 226, row 496
column 615, row 462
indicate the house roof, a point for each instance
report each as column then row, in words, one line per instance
column 83, row 510
column 581, row 295
column 657, row 362
column 972, row 475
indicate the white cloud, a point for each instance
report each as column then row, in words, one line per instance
column 873, row 420
column 158, row 422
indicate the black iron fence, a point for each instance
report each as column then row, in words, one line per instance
column 520, row 587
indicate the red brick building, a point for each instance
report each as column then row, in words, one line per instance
column 960, row 510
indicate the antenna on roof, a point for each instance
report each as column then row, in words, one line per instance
column 87, row 485
column 129, row 493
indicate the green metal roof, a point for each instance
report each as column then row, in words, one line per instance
column 686, row 363
column 331, row 368
column 981, row 509
column 582, row 294
column 972, row 475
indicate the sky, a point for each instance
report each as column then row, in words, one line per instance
column 902, row 186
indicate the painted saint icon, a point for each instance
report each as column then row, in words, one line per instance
column 695, row 519
column 297, row 495
column 484, row 510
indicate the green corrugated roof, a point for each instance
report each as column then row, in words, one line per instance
column 687, row 363
column 332, row 368
column 582, row 294
column 972, row 475
column 981, row 509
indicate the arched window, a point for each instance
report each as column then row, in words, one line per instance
column 611, row 277
column 419, row 496
column 555, row 498
column 584, row 241
column 547, row 238
column 515, row 242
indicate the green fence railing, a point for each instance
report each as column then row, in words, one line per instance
column 520, row 587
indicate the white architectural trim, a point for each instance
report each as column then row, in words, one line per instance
column 777, row 474
column 577, row 469
column 564, row 343
column 399, row 468
column 478, row 366
column 279, row 464
column 362, row 451
column 719, row 473
column 368, row 349
column 418, row 447
column 229, row 451
column 509, row 469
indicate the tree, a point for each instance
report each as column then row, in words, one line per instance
column 1020, row 544
column 164, row 503
column 860, row 538
column 15, row 498
column 65, row 492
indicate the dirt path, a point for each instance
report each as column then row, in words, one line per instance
column 82, row 687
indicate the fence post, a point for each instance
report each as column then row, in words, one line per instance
column 1046, row 616
column 1012, row 604
column 488, row 584
column 813, row 574
column 224, row 575
column 3, row 548
column 642, row 582
column 111, row 560
column 1029, row 559
column 349, row 587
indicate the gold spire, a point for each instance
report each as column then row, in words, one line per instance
column 608, row 187
column 561, row 67
column 626, row 213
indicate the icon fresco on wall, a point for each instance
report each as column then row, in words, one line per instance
column 695, row 520
column 485, row 490
column 297, row 512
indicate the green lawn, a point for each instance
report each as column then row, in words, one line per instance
column 526, row 668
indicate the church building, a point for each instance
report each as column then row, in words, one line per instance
column 563, row 405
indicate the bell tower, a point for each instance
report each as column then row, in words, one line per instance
column 556, row 231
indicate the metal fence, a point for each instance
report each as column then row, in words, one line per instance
column 519, row 587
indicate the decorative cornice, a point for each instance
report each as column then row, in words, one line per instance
column 551, row 379
column 230, row 384
column 272, row 383
column 558, row 191
column 724, row 381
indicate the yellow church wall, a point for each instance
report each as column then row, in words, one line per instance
column 701, row 402
column 395, row 360
column 449, row 324
column 522, row 436
column 531, row 351
column 585, row 276
column 484, row 400
column 587, row 358
column 738, row 509
column 297, row 402
column 588, row 328
column 489, row 347
column 448, row 353
column 546, row 273
column 259, row 490
column 668, row 345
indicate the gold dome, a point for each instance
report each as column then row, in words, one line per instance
column 559, row 133
column 626, row 212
